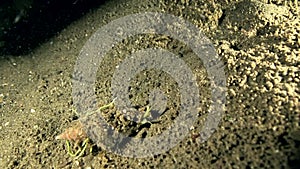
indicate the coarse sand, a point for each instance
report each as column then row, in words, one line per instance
column 259, row 43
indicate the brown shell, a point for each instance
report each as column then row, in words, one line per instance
column 74, row 133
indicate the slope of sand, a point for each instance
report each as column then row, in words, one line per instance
column 259, row 43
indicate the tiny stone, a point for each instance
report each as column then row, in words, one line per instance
column 77, row 163
column 253, row 64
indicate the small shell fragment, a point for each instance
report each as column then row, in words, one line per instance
column 74, row 133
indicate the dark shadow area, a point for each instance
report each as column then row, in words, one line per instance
column 290, row 143
column 294, row 161
column 25, row 24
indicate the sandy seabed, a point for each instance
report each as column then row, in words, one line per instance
column 258, row 41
